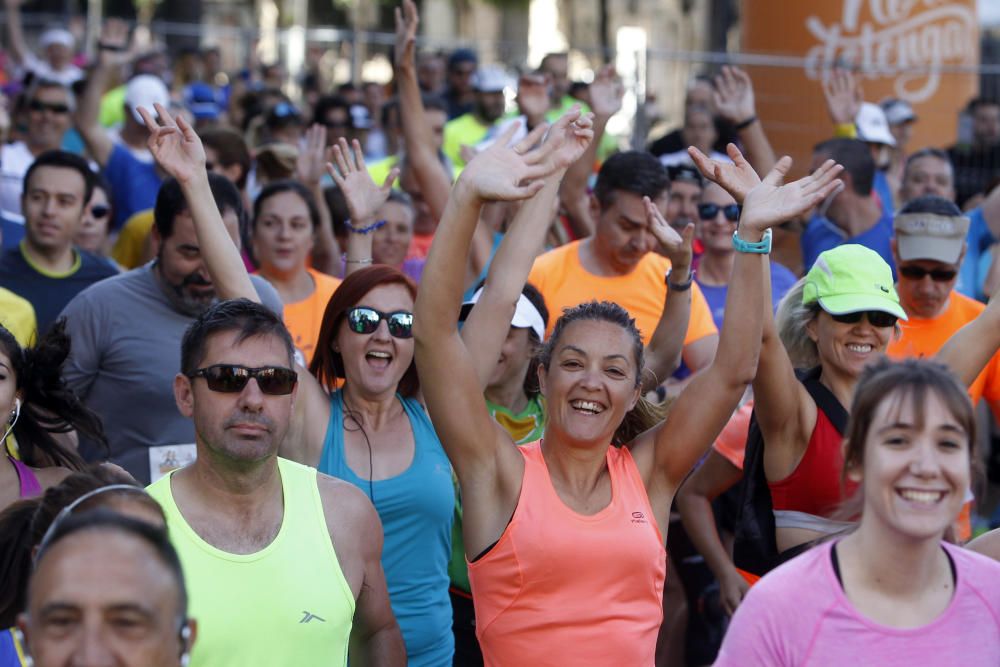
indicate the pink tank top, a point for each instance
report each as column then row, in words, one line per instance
column 561, row 588
column 30, row 487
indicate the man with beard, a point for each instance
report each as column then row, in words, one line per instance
column 126, row 333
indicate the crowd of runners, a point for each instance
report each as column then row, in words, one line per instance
column 414, row 374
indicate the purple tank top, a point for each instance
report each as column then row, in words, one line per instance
column 29, row 482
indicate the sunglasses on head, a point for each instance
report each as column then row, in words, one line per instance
column 918, row 273
column 38, row 105
column 709, row 211
column 365, row 320
column 231, row 379
column 99, row 211
column 876, row 318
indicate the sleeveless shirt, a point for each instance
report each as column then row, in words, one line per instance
column 561, row 588
column 288, row 603
column 416, row 510
column 814, row 486
column 30, row 486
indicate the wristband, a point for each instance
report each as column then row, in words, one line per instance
column 762, row 247
column 359, row 261
column 364, row 230
column 679, row 287
column 102, row 46
column 745, row 124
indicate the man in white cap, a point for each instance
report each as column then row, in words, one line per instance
column 472, row 128
column 57, row 44
column 125, row 160
column 873, row 129
column 929, row 243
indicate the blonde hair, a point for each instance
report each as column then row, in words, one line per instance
column 791, row 320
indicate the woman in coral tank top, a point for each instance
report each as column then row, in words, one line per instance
column 564, row 536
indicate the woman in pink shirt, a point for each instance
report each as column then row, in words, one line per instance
column 893, row 592
column 566, row 535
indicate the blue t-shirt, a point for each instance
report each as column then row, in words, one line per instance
column 47, row 293
column 822, row 234
column 884, row 191
column 134, row 184
column 416, row 508
column 976, row 264
column 781, row 281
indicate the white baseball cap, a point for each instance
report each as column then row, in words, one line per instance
column 145, row 90
column 491, row 79
column 526, row 316
column 873, row 126
column 57, row 36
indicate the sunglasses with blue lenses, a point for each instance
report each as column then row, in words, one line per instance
column 365, row 320
column 709, row 211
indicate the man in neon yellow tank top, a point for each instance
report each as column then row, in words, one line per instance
column 283, row 564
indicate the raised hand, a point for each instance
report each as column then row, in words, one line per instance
column 313, row 156
column 676, row 246
column 568, row 138
column 362, row 195
column 114, row 34
column 606, row 93
column 510, row 173
column 733, row 96
column 771, row 203
column 737, row 178
column 843, row 96
column 407, row 20
column 174, row 144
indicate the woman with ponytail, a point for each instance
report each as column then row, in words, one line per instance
column 43, row 415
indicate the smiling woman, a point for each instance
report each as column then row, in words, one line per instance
column 893, row 590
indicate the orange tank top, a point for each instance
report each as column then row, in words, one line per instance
column 561, row 588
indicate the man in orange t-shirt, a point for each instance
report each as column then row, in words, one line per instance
column 930, row 242
column 617, row 263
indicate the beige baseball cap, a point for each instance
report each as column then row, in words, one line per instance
column 930, row 236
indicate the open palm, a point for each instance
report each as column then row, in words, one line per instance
column 362, row 195
column 569, row 137
column 737, row 178
column 771, row 203
column 510, row 173
column 174, row 144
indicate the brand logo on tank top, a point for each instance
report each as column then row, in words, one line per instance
column 307, row 617
column 638, row 517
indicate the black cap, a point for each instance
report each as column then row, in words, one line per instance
column 685, row 173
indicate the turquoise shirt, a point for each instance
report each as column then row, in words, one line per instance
column 416, row 512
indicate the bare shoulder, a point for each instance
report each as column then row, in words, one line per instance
column 347, row 508
column 988, row 544
column 51, row 476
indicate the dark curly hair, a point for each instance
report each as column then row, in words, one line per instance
column 48, row 406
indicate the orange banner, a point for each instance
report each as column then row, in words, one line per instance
column 901, row 48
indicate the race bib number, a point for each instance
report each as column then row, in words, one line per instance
column 165, row 458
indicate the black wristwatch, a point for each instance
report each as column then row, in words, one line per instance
column 682, row 287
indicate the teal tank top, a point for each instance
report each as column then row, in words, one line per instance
column 416, row 511
column 289, row 603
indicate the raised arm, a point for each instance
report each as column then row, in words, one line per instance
column 488, row 466
column 179, row 152
column 19, row 49
column 484, row 332
column 421, row 155
column 663, row 353
column 606, row 93
column 708, row 402
column 112, row 55
column 310, row 167
column 970, row 348
column 736, row 103
column 363, row 198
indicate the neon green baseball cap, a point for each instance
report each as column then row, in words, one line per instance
column 849, row 279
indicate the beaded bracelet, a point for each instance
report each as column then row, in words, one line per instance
column 364, row 230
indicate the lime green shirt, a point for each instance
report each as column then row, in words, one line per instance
column 287, row 604
column 18, row 316
column 465, row 130
column 112, row 111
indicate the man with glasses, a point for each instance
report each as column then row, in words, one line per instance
column 928, row 247
column 126, row 330
column 267, row 543
column 49, row 104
